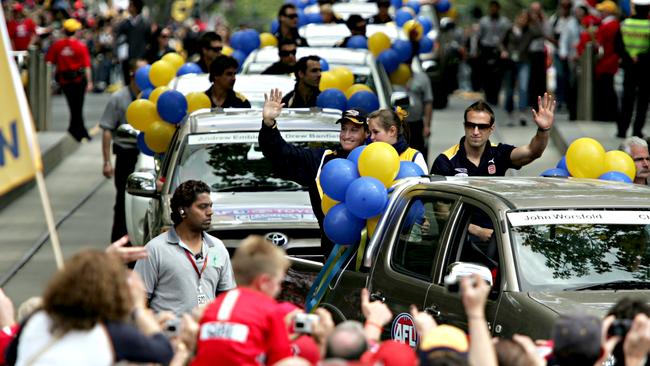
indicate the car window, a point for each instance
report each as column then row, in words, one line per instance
column 420, row 235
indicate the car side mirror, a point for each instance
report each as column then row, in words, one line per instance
column 125, row 134
column 458, row 270
column 142, row 184
column 400, row 99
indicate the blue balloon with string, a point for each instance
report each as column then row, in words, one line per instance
column 402, row 16
column 426, row 45
column 324, row 66
column 403, row 49
column 145, row 93
column 408, row 169
column 341, row 226
column 142, row 78
column 364, row 100
column 616, row 177
column 389, row 59
column 189, row 68
column 332, row 98
column 415, row 5
column 275, row 26
column 426, row 23
column 143, row 145
column 366, row 197
column 357, row 42
column 353, row 156
column 336, row 176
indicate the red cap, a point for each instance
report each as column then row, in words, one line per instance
column 18, row 7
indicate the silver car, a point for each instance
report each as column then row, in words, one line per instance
column 220, row 148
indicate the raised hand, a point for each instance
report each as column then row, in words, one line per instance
column 545, row 111
column 272, row 106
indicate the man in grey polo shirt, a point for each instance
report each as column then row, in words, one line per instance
column 186, row 267
column 126, row 155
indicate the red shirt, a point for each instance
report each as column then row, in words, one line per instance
column 6, row 336
column 68, row 54
column 242, row 327
column 21, row 33
column 605, row 36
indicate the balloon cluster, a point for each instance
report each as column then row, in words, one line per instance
column 586, row 158
column 355, row 194
column 340, row 92
column 160, row 109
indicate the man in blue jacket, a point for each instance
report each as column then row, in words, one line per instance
column 303, row 165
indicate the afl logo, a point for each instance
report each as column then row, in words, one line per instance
column 403, row 330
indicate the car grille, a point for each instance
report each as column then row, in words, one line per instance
column 302, row 243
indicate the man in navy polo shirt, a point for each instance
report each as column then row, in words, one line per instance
column 474, row 155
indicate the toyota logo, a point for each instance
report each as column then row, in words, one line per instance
column 276, row 238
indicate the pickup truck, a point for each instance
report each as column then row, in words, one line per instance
column 548, row 246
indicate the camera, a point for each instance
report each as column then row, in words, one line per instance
column 304, row 323
column 619, row 327
column 458, row 270
column 172, row 327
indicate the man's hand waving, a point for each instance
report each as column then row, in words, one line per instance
column 545, row 112
column 272, row 107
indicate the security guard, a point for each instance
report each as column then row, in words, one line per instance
column 222, row 76
column 633, row 46
column 476, row 156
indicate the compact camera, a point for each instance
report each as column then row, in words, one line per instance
column 619, row 327
column 304, row 323
column 458, row 270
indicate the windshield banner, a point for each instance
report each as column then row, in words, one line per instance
column 251, row 137
column 579, row 217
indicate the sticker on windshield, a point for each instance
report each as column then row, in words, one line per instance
column 579, row 217
column 263, row 214
column 251, row 137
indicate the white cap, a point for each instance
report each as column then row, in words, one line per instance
column 641, row 2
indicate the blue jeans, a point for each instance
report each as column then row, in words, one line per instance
column 517, row 75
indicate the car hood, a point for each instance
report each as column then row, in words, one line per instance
column 595, row 303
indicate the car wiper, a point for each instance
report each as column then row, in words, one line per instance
column 613, row 285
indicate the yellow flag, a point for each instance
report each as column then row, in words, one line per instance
column 20, row 156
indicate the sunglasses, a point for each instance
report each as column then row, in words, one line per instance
column 284, row 53
column 291, row 16
column 481, row 126
column 215, row 49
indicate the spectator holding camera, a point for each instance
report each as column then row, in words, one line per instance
column 626, row 332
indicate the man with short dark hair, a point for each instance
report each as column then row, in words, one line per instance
column 288, row 25
column 306, row 91
column 287, row 52
column 132, row 37
column 210, row 44
column 357, row 26
column 186, row 267
column 222, row 76
column 476, row 156
column 382, row 15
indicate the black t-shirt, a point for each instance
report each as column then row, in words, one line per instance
column 233, row 100
column 495, row 161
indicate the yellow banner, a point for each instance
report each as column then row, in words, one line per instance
column 20, row 156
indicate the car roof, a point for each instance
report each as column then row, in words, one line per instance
column 235, row 119
column 344, row 10
column 327, row 35
column 348, row 56
column 546, row 193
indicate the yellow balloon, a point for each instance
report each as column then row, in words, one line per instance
column 401, row 76
column 357, row 88
column 619, row 161
column 378, row 42
column 267, row 39
column 158, row 136
column 196, row 101
column 328, row 80
column 174, row 59
column 345, row 77
column 379, row 160
column 326, row 203
column 161, row 73
column 227, row 50
column 413, row 25
column 155, row 94
column 371, row 225
column 585, row 158
column 140, row 113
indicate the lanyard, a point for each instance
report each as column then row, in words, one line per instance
column 205, row 263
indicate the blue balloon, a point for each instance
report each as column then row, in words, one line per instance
column 403, row 48
column 415, row 5
column 251, row 41
column 336, row 176
column 145, row 93
column 275, row 26
column 415, row 214
column 443, row 6
column 562, row 164
column 402, row 16
column 301, row 4
column 426, row 45
column 172, row 106
column 237, row 40
column 427, row 25
column 189, row 68
column 142, row 78
column 366, row 197
column 616, row 176
column 342, row 227
column 353, row 156
column 408, row 169
column 365, row 100
column 396, row 3
column 302, row 20
column 314, row 18
column 358, row 42
column 389, row 59
column 555, row 172
column 324, row 66
column 143, row 145
column 332, row 98
column 240, row 56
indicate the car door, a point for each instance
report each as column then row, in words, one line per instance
column 404, row 270
column 463, row 246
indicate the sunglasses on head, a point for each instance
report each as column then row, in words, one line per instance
column 284, row 53
column 481, row 126
column 291, row 16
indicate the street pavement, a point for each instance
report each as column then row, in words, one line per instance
column 78, row 176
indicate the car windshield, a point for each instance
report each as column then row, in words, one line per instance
column 587, row 252
column 233, row 162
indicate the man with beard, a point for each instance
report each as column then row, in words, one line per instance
column 222, row 76
column 306, row 91
column 637, row 148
